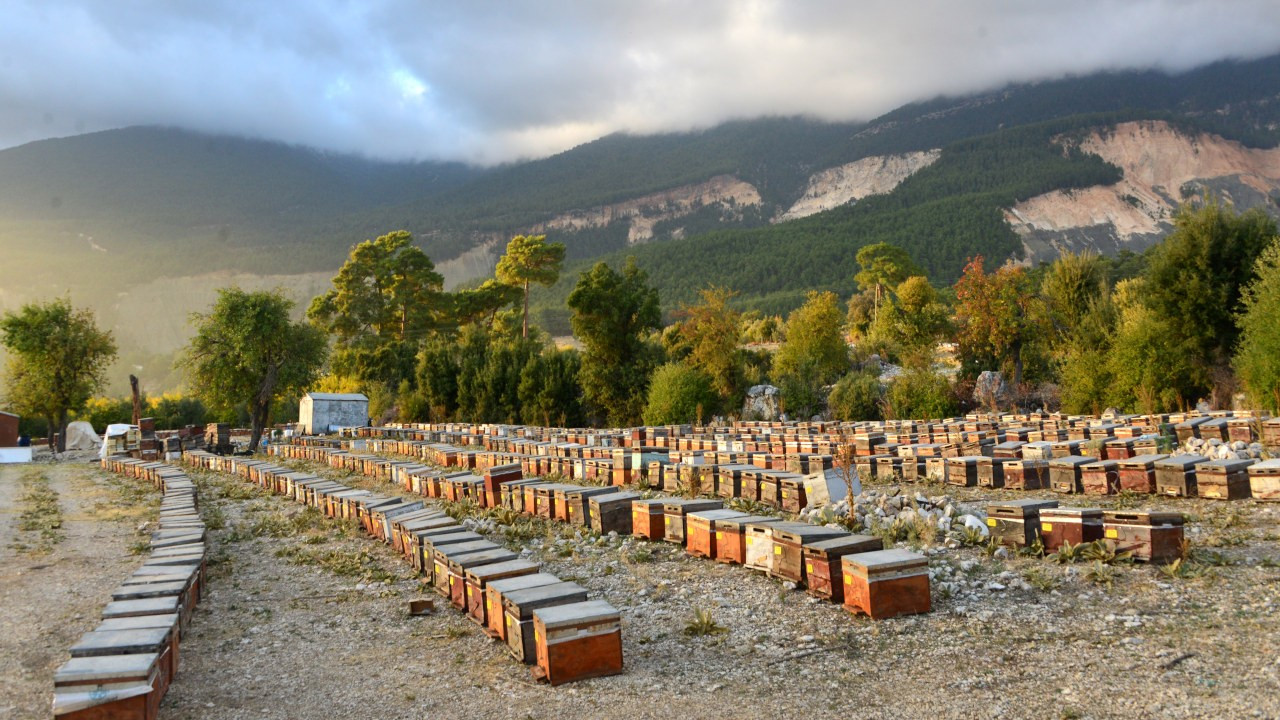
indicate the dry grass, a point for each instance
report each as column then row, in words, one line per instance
column 40, row 518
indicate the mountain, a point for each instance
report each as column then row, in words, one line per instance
column 144, row 223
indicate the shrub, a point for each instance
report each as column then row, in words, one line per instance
column 858, row 396
column 921, row 394
column 679, row 393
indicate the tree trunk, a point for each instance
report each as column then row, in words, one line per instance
column 526, row 309
column 137, row 399
column 1017, row 364
column 62, row 430
column 260, row 411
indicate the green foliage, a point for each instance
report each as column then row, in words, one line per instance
column 1150, row 363
column 910, row 325
column 1071, row 285
column 612, row 311
column 530, row 259
column 549, row 391
column 103, row 411
column 919, row 394
column 1257, row 358
column 679, row 393
column 174, row 410
column 1196, row 275
column 883, row 266
column 385, row 298
column 857, row 396
column 998, row 316
column 246, row 353
column 489, row 373
column 57, row 359
column 711, row 330
column 813, row 341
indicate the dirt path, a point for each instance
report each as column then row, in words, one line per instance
column 48, row 599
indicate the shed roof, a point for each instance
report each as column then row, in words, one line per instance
column 337, row 396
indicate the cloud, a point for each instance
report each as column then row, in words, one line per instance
column 489, row 81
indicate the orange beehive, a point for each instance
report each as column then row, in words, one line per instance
column 577, row 641
column 886, row 583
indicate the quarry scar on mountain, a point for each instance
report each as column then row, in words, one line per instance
column 1162, row 167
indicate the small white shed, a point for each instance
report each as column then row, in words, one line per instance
column 320, row 413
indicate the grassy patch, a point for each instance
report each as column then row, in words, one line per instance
column 40, row 519
column 340, row 562
column 1040, row 579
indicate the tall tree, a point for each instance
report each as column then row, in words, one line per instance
column 913, row 324
column 247, row 353
column 612, row 312
column 712, row 329
column 998, row 315
column 385, row 299
column 1257, row 358
column 530, row 259
column 883, row 266
column 1195, row 276
column 1072, row 283
column 59, row 358
column 814, row 353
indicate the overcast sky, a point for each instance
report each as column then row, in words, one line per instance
column 492, row 81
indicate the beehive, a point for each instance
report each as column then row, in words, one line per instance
column 1016, row 523
column 1062, row 525
column 822, row 568
column 886, row 583
column 1148, row 536
column 576, row 641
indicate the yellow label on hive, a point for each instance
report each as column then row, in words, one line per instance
column 777, row 549
column 719, row 535
column 808, row 567
column 991, row 522
column 848, row 579
column 1046, row 527
column 1112, row 533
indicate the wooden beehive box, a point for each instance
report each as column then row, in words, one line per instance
column 888, row 467
column 1026, row 474
column 936, row 467
column 789, row 540
column 518, row 607
column 1065, row 473
column 729, row 479
column 1008, row 449
column 1100, row 478
column 479, row 577
column 648, row 520
column 963, row 470
column 1223, row 479
column 1061, row 525
column 418, row 540
column 1176, row 475
column 1068, row 448
column 577, row 641
column 793, row 494
column 1148, row 536
column 1264, row 481
column 440, row 556
column 822, row 568
column 1016, row 523
column 1138, row 473
column 674, row 511
column 991, row 471
column 886, row 583
column 128, row 687
column 1271, row 434
column 495, row 619
column 512, row 493
column 544, row 498
column 433, row 564
column 578, row 502
column 701, row 528
column 460, row 564
column 731, row 537
column 612, row 512
column 760, row 550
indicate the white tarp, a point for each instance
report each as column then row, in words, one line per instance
column 80, row 436
column 113, row 430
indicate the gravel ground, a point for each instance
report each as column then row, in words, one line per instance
column 304, row 618
column 1148, row 646
column 52, row 590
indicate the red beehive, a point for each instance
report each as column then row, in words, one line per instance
column 1100, row 478
column 700, row 528
column 731, row 537
column 1069, row 525
column 577, row 641
column 886, row 583
column 1138, row 473
column 1147, row 536
column 647, row 519
column 479, row 577
column 822, row 559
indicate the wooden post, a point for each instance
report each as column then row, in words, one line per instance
column 137, row 399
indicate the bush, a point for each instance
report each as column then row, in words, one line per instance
column 920, row 394
column 858, row 396
column 677, row 393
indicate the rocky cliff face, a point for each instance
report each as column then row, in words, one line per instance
column 643, row 213
column 844, row 184
column 1162, row 168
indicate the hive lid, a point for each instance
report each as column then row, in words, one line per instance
column 1181, row 462
column 802, row 533
column 138, row 622
column 684, row 505
column 502, row 569
column 1101, row 465
column 1020, row 507
column 1138, row 461
column 522, row 582
column 590, row 611
column 614, row 497
column 1072, row 461
column 481, row 558
column 1227, row 466
column 856, row 543
column 879, row 561
column 717, row 515
column 117, row 642
column 1265, row 465
column 147, row 606
column 105, row 668
column 738, row 523
column 527, row 599
column 463, row 548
